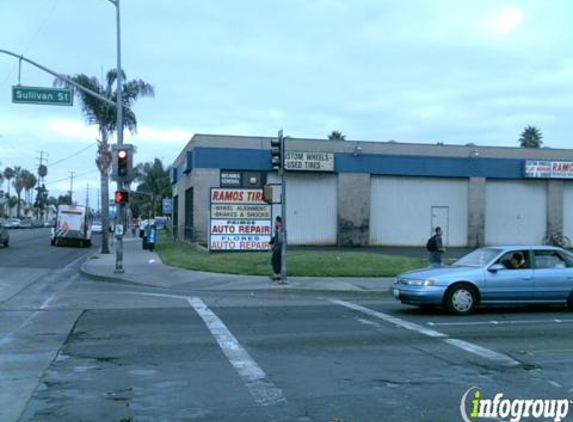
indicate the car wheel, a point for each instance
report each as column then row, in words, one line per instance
column 6, row 243
column 461, row 299
column 570, row 301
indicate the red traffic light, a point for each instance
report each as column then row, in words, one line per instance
column 122, row 154
column 121, row 197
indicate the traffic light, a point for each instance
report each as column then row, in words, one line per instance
column 277, row 149
column 121, row 197
column 122, row 163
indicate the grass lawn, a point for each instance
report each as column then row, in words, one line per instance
column 300, row 263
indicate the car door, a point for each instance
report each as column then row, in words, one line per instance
column 510, row 284
column 553, row 275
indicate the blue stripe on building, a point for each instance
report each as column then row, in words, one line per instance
column 389, row 165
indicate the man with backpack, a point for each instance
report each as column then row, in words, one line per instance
column 436, row 249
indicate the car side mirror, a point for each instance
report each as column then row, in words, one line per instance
column 495, row 268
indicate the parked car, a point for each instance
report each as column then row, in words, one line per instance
column 26, row 223
column 97, row 226
column 4, row 236
column 13, row 223
column 501, row 275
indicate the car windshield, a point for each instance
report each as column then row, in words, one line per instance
column 478, row 258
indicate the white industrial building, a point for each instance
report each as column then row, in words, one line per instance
column 384, row 193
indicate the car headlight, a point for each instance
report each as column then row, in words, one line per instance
column 427, row 282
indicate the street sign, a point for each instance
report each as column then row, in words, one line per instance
column 37, row 95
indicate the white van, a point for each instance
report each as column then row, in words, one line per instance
column 73, row 225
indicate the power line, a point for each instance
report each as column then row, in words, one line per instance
column 73, row 155
column 40, row 28
column 76, row 176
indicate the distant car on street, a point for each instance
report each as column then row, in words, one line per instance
column 26, row 223
column 97, row 226
column 4, row 236
column 500, row 275
column 13, row 223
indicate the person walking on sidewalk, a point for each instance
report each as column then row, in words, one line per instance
column 436, row 249
column 276, row 246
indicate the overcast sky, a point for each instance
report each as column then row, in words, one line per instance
column 452, row 71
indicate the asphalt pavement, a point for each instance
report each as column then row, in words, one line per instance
column 162, row 344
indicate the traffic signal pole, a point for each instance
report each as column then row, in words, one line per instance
column 283, row 211
column 120, row 225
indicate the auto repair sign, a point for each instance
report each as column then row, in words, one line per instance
column 229, row 230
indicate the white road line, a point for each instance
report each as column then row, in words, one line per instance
column 264, row 392
column 480, row 351
column 261, row 388
column 510, row 322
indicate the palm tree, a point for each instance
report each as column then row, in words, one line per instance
column 97, row 112
column 29, row 182
column 336, row 135
column 18, row 186
column 9, row 175
column 530, row 138
column 155, row 183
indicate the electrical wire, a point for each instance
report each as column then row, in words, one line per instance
column 72, row 155
column 40, row 28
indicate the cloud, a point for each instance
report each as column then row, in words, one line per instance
column 506, row 21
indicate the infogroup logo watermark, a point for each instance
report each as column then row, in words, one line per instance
column 474, row 406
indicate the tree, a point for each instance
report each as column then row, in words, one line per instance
column 9, row 175
column 336, row 135
column 97, row 112
column 18, row 187
column 530, row 138
column 29, row 181
column 155, row 184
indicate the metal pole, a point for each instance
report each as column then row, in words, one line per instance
column 283, row 212
column 121, row 208
column 61, row 77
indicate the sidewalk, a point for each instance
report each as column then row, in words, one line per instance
column 145, row 268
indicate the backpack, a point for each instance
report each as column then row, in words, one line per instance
column 431, row 244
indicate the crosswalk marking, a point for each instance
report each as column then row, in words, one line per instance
column 483, row 352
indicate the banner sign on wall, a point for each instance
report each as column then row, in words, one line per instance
column 240, row 220
column 549, row 169
column 309, row 161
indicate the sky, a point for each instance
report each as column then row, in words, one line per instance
column 424, row 71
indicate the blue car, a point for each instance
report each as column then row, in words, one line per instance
column 501, row 275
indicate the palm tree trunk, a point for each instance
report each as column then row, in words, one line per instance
column 104, row 213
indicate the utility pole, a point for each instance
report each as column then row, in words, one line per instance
column 72, row 187
column 42, row 172
column 88, row 197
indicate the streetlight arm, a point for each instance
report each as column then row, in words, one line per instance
column 63, row 78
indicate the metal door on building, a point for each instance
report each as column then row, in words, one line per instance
column 440, row 217
column 403, row 211
column 312, row 208
column 188, row 230
column 516, row 212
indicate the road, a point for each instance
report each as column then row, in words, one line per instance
column 73, row 349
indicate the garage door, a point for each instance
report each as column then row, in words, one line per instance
column 404, row 211
column 515, row 212
column 311, row 208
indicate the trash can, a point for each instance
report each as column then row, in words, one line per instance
column 151, row 237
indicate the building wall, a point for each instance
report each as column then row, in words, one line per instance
column 386, row 193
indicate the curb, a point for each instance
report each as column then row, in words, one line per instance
column 269, row 288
